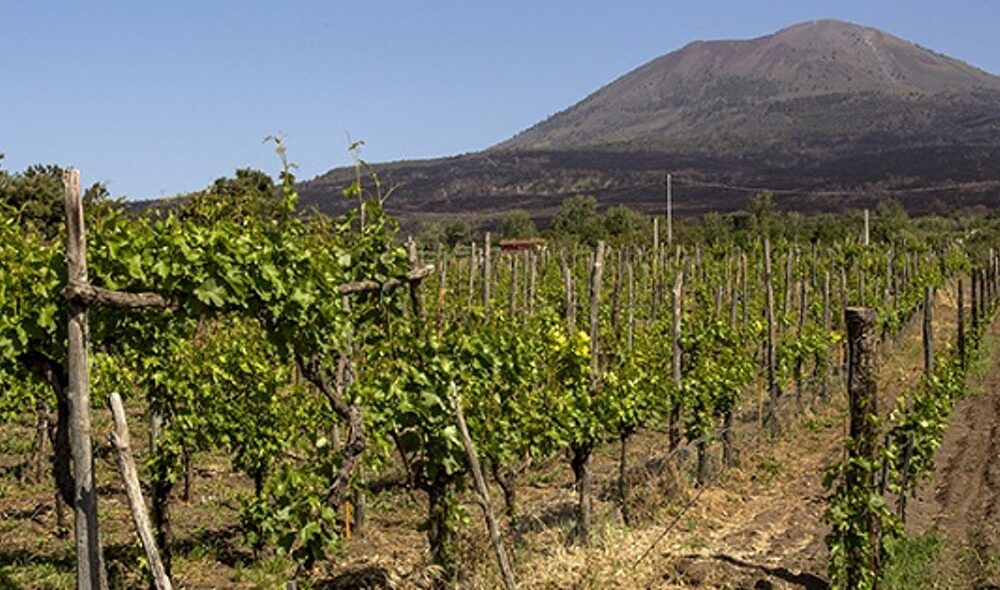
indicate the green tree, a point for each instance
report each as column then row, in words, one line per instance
column 578, row 220
column 457, row 232
column 249, row 194
column 762, row 211
column 717, row 229
column 432, row 234
column 622, row 225
column 518, row 224
column 891, row 222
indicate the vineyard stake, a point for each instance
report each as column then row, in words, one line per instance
column 863, row 399
column 928, row 331
column 90, row 570
column 120, row 439
column 483, row 493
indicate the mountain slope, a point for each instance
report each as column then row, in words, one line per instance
column 817, row 107
column 817, row 84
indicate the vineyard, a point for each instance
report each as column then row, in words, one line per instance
column 314, row 401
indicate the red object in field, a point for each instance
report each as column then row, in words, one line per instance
column 523, row 244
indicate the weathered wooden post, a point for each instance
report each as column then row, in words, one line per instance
column 487, row 274
column 89, row 563
column 928, row 330
column 862, row 340
column 581, row 453
column 472, row 276
column 961, row 323
column 506, row 572
column 974, row 299
column 121, row 440
column 675, row 410
column 771, row 356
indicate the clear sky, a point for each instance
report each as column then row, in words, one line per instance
column 157, row 98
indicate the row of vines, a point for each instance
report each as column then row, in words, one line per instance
column 321, row 356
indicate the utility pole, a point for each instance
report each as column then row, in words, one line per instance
column 670, row 213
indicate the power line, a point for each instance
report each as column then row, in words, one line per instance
column 838, row 193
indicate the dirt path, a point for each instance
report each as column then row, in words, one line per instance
column 764, row 526
column 961, row 501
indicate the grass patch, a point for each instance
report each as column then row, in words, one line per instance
column 767, row 470
column 911, row 561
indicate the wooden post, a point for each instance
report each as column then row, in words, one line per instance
column 513, row 285
column 532, row 282
column 654, row 302
column 616, row 297
column 506, row 572
column 803, row 309
column 487, row 275
column 929, row 330
column 596, row 274
column 861, row 285
column 472, row 275
column 580, row 461
column 733, row 282
column 984, row 304
column 675, row 409
column 961, row 323
column 670, row 213
column 568, row 291
column 746, row 288
column 786, row 306
column 824, row 389
column 442, row 294
column 863, row 397
column 974, row 297
column 415, row 300
column 772, row 378
column 630, row 330
column 120, row 439
column 90, row 574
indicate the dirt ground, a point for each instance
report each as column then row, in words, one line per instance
column 961, row 501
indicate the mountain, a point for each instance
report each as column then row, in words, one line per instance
column 829, row 113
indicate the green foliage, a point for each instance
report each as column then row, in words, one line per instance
column 912, row 562
column 578, row 220
column 431, row 234
column 457, row 232
column 622, row 225
column 518, row 224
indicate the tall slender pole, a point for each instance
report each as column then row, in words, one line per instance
column 90, row 573
column 670, row 213
column 487, row 275
column 928, row 331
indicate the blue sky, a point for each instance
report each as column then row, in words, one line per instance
column 157, row 98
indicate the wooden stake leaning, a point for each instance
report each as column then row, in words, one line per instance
column 484, row 495
column 120, row 439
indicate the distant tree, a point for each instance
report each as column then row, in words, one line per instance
column 718, row 230
column 518, row 224
column 623, row 225
column 826, row 228
column 432, row 234
column 763, row 212
column 891, row 222
column 249, row 194
column 578, row 220
column 457, row 232
column 35, row 195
